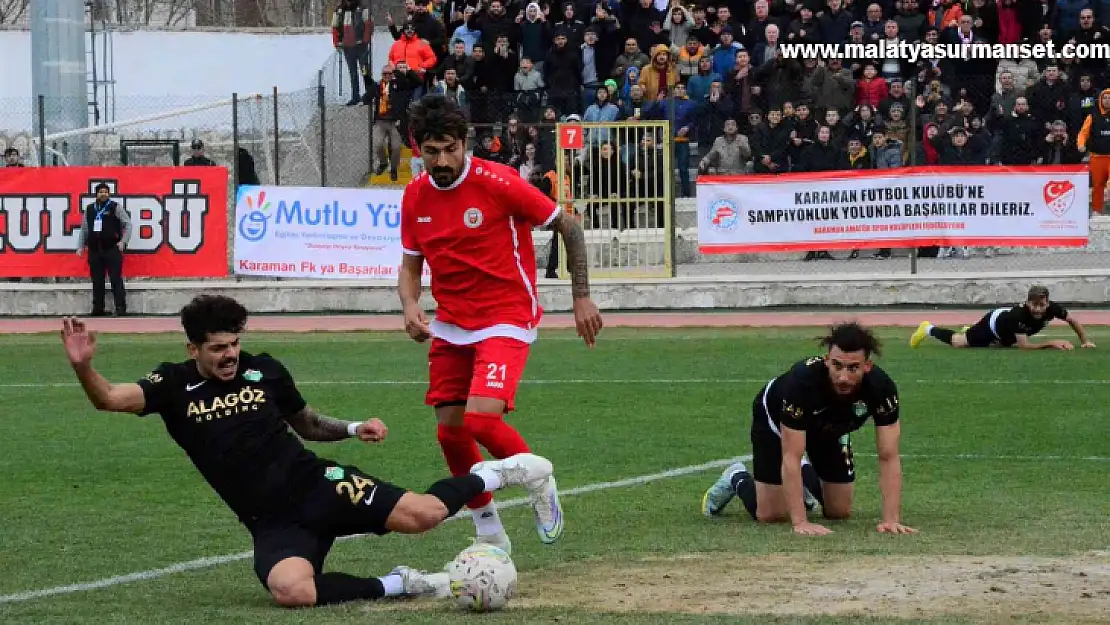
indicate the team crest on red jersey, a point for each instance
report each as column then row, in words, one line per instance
column 472, row 218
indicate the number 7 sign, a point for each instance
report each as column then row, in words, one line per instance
column 571, row 137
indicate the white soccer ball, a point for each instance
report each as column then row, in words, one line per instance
column 483, row 578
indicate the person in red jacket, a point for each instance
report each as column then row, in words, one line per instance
column 351, row 31
column 413, row 50
column 872, row 88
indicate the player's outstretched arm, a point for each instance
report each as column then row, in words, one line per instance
column 793, row 446
column 1079, row 330
column 890, row 478
column 1023, row 342
column 587, row 318
column 80, row 346
column 313, row 426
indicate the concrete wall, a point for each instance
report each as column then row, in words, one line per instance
column 167, row 298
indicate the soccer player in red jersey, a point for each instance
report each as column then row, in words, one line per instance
column 472, row 221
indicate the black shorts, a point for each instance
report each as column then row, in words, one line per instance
column 981, row 335
column 831, row 457
column 343, row 502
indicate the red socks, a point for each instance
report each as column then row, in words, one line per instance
column 500, row 439
column 461, row 451
column 460, row 445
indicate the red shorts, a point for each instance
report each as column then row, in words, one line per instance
column 490, row 368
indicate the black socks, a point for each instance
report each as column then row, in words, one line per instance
column 744, row 486
column 340, row 587
column 942, row 334
column 812, row 483
column 454, row 492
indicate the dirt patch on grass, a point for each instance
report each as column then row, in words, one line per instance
column 1071, row 590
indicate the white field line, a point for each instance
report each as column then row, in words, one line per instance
column 209, row 562
column 204, row 563
column 675, row 381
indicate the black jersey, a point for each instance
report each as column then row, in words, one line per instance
column 1006, row 323
column 235, row 432
column 803, row 398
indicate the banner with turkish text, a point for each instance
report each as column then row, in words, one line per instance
column 178, row 220
column 979, row 206
column 317, row 232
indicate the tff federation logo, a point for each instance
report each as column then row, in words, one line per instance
column 723, row 215
column 1058, row 196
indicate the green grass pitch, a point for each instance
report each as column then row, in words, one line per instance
column 1005, row 475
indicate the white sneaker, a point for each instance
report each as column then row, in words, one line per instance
column 518, row 470
column 418, row 583
column 544, row 496
column 499, row 540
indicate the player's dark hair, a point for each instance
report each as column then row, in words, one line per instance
column 212, row 314
column 437, row 117
column 1037, row 292
column 853, row 337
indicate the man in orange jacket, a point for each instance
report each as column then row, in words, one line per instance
column 1094, row 137
column 413, row 50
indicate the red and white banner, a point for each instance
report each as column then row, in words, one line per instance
column 911, row 207
column 178, row 220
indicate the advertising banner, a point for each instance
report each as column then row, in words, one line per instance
column 318, row 232
column 988, row 206
column 178, row 220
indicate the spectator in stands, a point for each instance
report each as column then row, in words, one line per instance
column 885, row 154
column 690, row 58
column 601, row 111
column 529, row 163
column 897, row 95
column 1092, row 32
column 661, row 76
column 592, row 78
column 574, row 27
column 351, row 31
column 804, row 29
column 683, row 129
column 1065, row 17
column 644, row 22
column 1094, row 138
column 631, row 58
column 248, row 175
column 946, row 15
column 697, row 87
column 605, row 183
column 535, row 35
column 712, row 113
column 803, row 131
column 1049, row 97
column 459, row 61
column 562, row 74
column 12, row 158
column 430, row 29
column 778, row 82
column 911, row 22
column 927, row 152
column 105, row 230
column 756, row 28
column 489, row 148
column 467, row 31
column 647, row 180
column 731, row 153
column 1002, row 101
column 386, row 134
column 414, row 51
column 838, row 128
column 834, row 87
column 1059, row 148
column 1083, row 102
column 501, row 68
column 871, row 88
column 724, row 55
column 679, row 27
column 410, row 12
column 198, row 159
column 835, row 23
column 528, row 85
column 453, row 90
column 897, row 128
column 771, row 144
column 494, row 23
column 767, row 51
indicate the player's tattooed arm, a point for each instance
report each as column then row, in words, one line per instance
column 313, row 426
column 577, row 260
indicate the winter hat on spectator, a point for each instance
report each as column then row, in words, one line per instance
column 857, row 24
column 611, row 84
column 726, row 29
column 957, row 130
column 573, row 117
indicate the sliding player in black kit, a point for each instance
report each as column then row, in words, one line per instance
column 231, row 412
column 812, row 409
column 1010, row 326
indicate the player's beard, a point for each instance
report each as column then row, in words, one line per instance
column 226, row 367
column 444, row 176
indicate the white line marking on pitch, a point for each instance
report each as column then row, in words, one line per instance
column 204, row 563
column 676, row 381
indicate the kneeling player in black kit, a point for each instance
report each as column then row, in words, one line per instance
column 231, row 411
column 812, row 409
column 1009, row 326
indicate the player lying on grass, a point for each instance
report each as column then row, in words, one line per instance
column 230, row 411
column 1009, row 327
column 812, row 409
column 471, row 220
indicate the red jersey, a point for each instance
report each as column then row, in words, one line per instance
column 476, row 237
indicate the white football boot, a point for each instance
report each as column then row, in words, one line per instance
column 518, row 470
column 418, row 583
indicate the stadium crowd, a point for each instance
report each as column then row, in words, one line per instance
column 737, row 104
